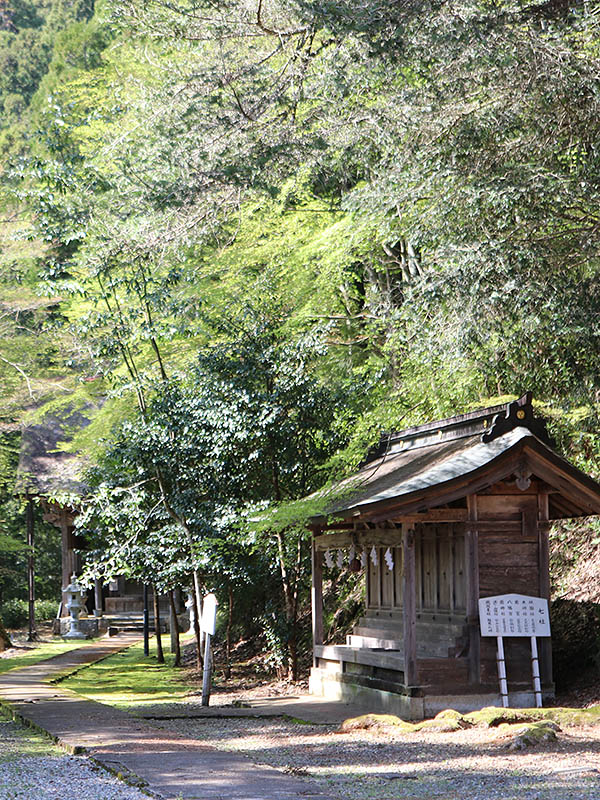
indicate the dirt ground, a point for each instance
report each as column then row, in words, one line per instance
column 385, row 764
column 388, row 764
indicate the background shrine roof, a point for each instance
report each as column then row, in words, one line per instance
column 44, row 468
column 420, row 464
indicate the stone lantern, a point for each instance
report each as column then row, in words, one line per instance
column 189, row 604
column 74, row 607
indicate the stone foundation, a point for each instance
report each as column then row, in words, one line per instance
column 90, row 627
column 326, row 683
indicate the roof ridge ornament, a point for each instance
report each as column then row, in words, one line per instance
column 518, row 414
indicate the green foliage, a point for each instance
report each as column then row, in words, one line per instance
column 15, row 613
column 27, row 39
column 575, row 639
column 127, row 680
column 38, row 653
column 408, row 196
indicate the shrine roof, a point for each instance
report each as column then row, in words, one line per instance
column 441, row 462
column 45, row 467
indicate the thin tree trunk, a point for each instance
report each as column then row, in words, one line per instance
column 229, row 623
column 32, row 637
column 160, row 657
column 289, row 605
column 175, row 629
column 197, row 630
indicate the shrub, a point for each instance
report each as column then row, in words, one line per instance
column 45, row 610
column 15, row 613
column 575, row 639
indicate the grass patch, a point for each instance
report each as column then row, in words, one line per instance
column 33, row 655
column 129, row 680
column 17, row 741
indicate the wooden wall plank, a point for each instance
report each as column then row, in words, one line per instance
column 500, row 551
column 459, row 579
column 504, row 579
column 445, row 569
column 373, row 583
column 397, row 552
column 429, row 570
column 418, row 547
column 387, row 581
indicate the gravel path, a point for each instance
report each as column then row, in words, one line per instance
column 467, row 765
column 32, row 768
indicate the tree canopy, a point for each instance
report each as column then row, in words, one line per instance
column 265, row 231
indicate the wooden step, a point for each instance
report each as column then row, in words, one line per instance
column 379, row 631
column 385, row 659
column 373, row 642
column 384, row 613
column 369, row 626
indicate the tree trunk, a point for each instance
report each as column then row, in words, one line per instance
column 174, row 629
column 229, row 622
column 160, row 657
column 289, row 597
column 5, row 641
column 32, row 637
column 197, row 630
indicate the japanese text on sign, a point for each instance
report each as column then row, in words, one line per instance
column 514, row 615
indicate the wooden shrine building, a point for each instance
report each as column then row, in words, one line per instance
column 46, row 469
column 442, row 515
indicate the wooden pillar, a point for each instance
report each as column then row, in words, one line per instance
column 317, row 597
column 544, row 582
column 409, row 608
column 98, row 597
column 472, row 575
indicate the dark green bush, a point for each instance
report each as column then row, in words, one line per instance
column 575, row 639
column 15, row 613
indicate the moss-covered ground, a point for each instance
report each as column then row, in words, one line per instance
column 26, row 656
column 17, row 742
column 491, row 717
column 128, row 680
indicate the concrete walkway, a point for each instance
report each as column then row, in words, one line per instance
column 306, row 707
column 169, row 766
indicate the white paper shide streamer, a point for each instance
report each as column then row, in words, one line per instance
column 340, row 559
column 328, row 559
column 363, row 558
column 374, row 556
column 389, row 559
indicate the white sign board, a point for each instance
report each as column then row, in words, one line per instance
column 209, row 614
column 514, row 615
